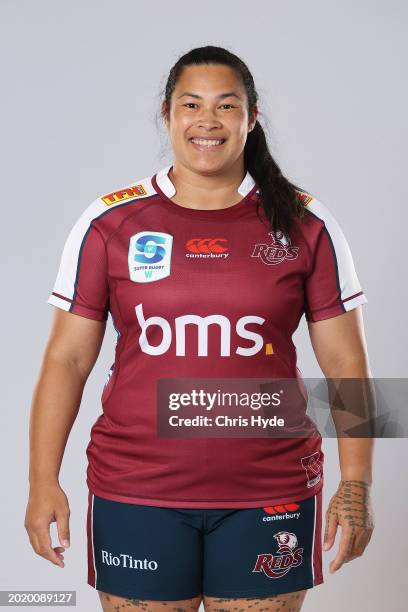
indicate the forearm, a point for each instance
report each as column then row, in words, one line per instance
column 55, row 404
column 356, row 458
column 355, row 454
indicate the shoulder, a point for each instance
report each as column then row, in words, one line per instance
column 322, row 230
column 320, row 225
column 137, row 190
column 317, row 210
column 121, row 196
column 109, row 209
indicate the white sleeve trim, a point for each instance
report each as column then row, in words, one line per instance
column 59, row 302
column 354, row 302
column 347, row 277
column 67, row 271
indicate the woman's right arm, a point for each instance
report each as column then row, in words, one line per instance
column 71, row 352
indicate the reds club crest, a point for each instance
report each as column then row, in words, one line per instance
column 288, row 555
column 313, row 466
column 276, row 252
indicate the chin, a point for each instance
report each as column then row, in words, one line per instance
column 206, row 166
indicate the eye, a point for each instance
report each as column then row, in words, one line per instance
column 190, row 104
column 230, row 105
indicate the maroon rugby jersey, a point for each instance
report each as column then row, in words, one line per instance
column 199, row 293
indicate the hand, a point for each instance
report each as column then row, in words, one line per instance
column 48, row 503
column 351, row 508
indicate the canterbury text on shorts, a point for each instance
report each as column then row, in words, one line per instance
column 152, row 552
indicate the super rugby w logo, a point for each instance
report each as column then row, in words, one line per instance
column 149, row 256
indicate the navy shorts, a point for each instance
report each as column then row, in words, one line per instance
column 150, row 552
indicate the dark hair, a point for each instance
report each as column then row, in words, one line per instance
column 278, row 196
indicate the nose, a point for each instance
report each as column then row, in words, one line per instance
column 208, row 120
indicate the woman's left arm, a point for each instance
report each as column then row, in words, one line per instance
column 341, row 352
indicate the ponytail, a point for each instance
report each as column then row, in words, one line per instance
column 277, row 195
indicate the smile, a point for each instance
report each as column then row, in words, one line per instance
column 206, row 142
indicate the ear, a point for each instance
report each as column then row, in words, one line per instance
column 253, row 118
column 164, row 113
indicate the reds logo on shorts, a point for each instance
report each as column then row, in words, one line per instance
column 288, row 555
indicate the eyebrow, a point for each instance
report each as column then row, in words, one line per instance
column 220, row 97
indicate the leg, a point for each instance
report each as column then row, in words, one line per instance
column 113, row 603
column 287, row 602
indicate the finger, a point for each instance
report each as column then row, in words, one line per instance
column 44, row 549
column 360, row 542
column 59, row 550
column 345, row 547
column 370, row 533
column 330, row 530
column 32, row 535
column 62, row 519
column 42, row 546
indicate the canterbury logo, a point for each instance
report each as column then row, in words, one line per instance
column 282, row 508
column 206, row 245
column 134, row 191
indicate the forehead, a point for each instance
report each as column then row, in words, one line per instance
column 209, row 79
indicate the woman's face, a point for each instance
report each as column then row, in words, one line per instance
column 208, row 103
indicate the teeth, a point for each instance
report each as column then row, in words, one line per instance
column 206, row 143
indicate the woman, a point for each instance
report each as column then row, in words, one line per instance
column 206, row 268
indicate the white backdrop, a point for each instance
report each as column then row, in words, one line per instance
column 81, row 85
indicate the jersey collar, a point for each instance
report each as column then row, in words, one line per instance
column 165, row 184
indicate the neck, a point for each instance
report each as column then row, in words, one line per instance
column 200, row 190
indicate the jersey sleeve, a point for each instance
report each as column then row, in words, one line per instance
column 81, row 285
column 332, row 287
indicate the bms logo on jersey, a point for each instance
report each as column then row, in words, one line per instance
column 195, row 324
column 149, row 256
column 280, row 249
